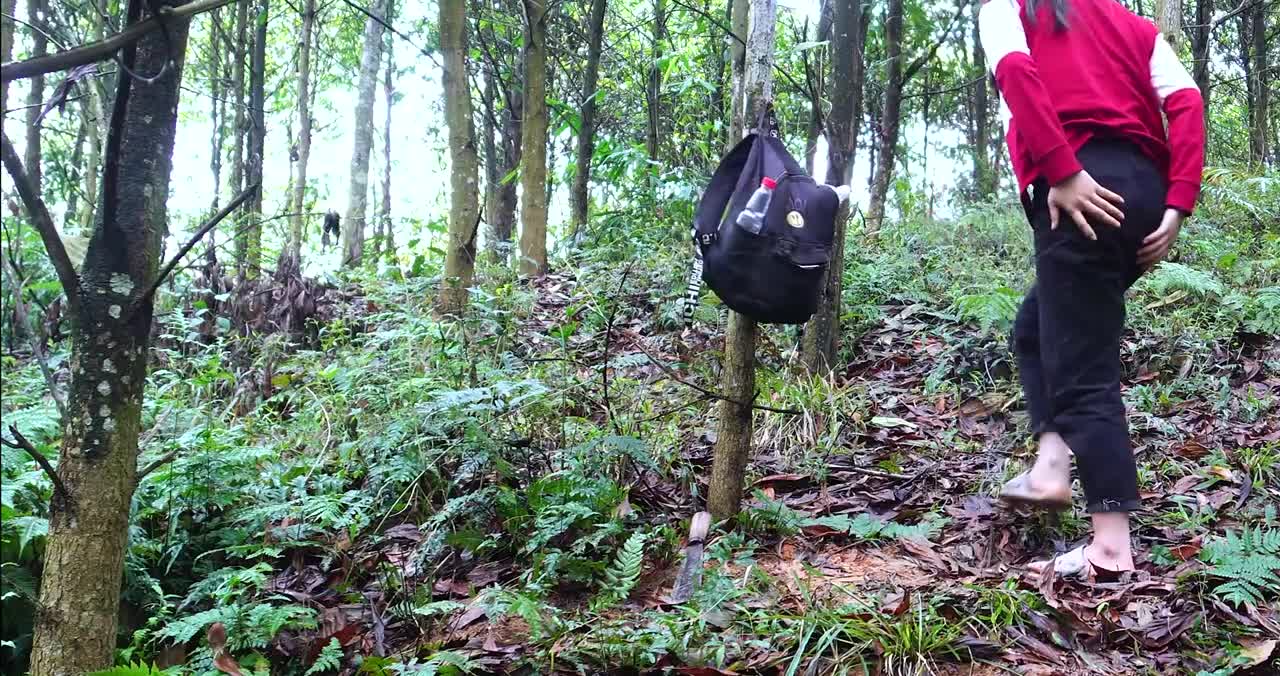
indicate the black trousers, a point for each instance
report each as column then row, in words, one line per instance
column 1067, row 333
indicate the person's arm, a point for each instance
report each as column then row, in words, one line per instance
column 1005, row 43
column 1183, row 105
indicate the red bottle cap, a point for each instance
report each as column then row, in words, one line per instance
column 769, row 183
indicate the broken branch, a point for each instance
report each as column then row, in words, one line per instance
column 21, row 443
column 102, row 49
column 195, row 239
column 155, row 465
column 43, row 223
column 710, row 393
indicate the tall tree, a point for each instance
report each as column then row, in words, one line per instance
column 298, row 200
column 8, row 10
column 297, row 216
column 581, row 194
column 464, row 195
column 370, row 59
column 653, row 90
column 738, row 23
column 237, row 97
column 111, row 305
column 891, row 115
column 1260, row 78
column 250, row 244
column 738, row 382
column 890, row 118
column 849, row 25
column 217, row 109
column 984, row 184
column 533, row 175
column 36, row 12
column 388, row 243
column 94, row 110
column 1169, row 20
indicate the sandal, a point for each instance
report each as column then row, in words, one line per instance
column 1071, row 564
column 1019, row 491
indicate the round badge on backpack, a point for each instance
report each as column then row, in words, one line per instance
column 795, row 219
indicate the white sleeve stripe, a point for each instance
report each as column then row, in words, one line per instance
column 1000, row 31
column 1168, row 75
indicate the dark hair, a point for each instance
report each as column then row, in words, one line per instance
column 1059, row 12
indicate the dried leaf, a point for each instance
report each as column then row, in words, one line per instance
column 1257, row 651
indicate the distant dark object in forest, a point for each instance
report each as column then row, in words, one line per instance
column 332, row 225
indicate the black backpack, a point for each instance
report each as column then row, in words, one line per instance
column 774, row 277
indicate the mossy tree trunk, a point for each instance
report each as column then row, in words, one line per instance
column 464, row 186
column 111, row 326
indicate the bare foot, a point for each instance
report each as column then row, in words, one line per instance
column 1084, row 561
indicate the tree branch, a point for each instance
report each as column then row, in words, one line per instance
column 1244, row 4
column 710, row 393
column 103, row 49
column 20, row 442
column 44, row 223
column 155, row 465
column 928, row 56
column 195, row 239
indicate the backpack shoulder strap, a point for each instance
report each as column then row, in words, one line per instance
column 715, row 199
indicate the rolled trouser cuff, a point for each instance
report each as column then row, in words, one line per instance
column 1111, row 506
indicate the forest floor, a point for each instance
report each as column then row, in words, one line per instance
column 509, row 493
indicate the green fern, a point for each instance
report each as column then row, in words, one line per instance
column 329, row 659
column 621, row 577
column 1170, row 277
column 136, row 669
column 995, row 309
column 1249, row 561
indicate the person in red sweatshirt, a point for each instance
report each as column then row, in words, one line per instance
column 1086, row 87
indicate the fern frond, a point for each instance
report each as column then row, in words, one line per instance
column 621, row 577
column 329, row 659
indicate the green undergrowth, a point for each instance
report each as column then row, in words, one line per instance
column 502, row 445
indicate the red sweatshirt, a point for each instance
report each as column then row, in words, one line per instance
column 1109, row 73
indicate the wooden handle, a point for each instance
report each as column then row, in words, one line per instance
column 699, row 526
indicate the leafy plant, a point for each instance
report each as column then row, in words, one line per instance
column 1249, row 561
column 329, row 659
column 622, row 575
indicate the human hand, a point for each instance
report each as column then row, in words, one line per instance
column 1156, row 245
column 1081, row 196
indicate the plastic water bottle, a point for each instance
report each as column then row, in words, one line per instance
column 752, row 217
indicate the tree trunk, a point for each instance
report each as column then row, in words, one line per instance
column 533, row 176
column 8, row 8
column 293, row 249
column 36, row 11
column 738, row 23
column 816, row 80
column 983, row 183
column 734, row 431
column 371, row 58
column 890, row 119
column 76, row 166
column 217, row 110
column 237, row 99
column 1200, row 47
column 94, row 107
column 581, row 196
column 464, row 194
column 1259, row 103
column 848, row 70
column 388, row 87
column 250, row 256
column 88, row 534
column 719, row 60
column 653, row 92
column 1169, row 20
column 503, row 225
